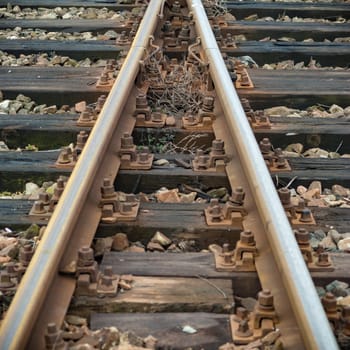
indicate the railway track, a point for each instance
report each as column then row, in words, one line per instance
column 168, row 78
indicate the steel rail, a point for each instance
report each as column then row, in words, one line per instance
column 309, row 313
column 23, row 311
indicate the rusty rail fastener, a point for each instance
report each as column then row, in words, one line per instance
column 131, row 158
column 247, row 327
column 242, row 258
column 295, row 209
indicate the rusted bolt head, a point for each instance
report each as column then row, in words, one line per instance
column 302, row 236
column 53, row 337
column 107, row 211
column 243, row 329
column 323, row 260
column 278, row 151
column 108, row 271
column 85, row 256
column 86, row 116
column 125, row 208
column 25, row 254
column 265, row 145
column 157, row 116
column 82, row 137
column 127, row 141
column 245, row 104
column 60, row 183
column 5, row 281
column 284, row 194
column 101, row 99
column 64, row 156
column 141, row 101
column 225, row 247
column 106, row 280
column 242, row 313
column 306, row 215
column 143, row 157
column 216, row 213
column 281, row 162
column 214, row 202
column 217, row 146
column 329, row 302
column 202, row 161
column 265, row 299
column 107, row 189
column 208, row 103
column 247, row 237
column 104, row 78
column 38, row 207
column 44, row 197
column 238, row 195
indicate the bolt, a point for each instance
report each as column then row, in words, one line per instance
column 25, row 254
column 106, row 280
column 215, row 213
column 107, row 189
column 265, row 299
column 225, row 248
column 81, row 140
column 156, row 116
column 191, row 119
column 122, row 39
column 141, row 101
column 104, row 78
column 229, row 42
column 217, row 32
column 238, row 195
column 247, row 237
column 243, row 329
column 143, row 157
column 301, row 204
column 329, row 302
column 202, row 162
column 59, row 187
column 208, row 103
column 217, row 147
column 5, row 281
column 125, row 208
column 244, row 79
column 38, row 207
column 176, row 7
column 323, row 260
column 44, row 197
column 85, row 256
column 265, row 145
column 306, row 215
column 284, row 194
column 108, row 271
column 246, row 105
column 85, row 116
column 100, row 103
column 281, row 162
column 241, row 313
column 64, row 156
column 127, row 141
column 184, row 33
column 302, row 236
column 53, row 337
column 107, row 212
column 110, row 66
